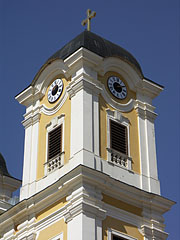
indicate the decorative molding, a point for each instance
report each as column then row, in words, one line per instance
column 55, row 109
column 58, row 237
column 117, row 116
column 145, row 110
column 123, row 68
column 127, row 107
column 32, row 236
column 112, row 232
column 31, row 119
column 82, row 83
column 152, row 233
column 83, row 186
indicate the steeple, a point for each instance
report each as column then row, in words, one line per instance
column 90, row 166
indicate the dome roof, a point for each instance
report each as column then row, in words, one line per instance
column 3, row 168
column 98, row 45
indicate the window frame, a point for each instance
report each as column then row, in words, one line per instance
column 117, row 116
column 52, row 125
column 114, row 232
column 57, row 237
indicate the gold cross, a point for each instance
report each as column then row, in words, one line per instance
column 88, row 19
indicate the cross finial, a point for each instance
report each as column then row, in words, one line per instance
column 87, row 21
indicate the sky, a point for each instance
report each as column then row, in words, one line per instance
column 31, row 31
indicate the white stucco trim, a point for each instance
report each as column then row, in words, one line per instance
column 127, row 107
column 112, row 232
column 58, row 237
column 123, row 68
column 54, row 109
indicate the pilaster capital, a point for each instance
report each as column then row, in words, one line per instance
column 86, row 200
column 153, row 233
column 85, row 208
column 145, row 111
column 85, row 84
column 31, row 118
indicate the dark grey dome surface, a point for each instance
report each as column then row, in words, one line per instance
column 3, row 168
column 98, row 45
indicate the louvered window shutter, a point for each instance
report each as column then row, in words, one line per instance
column 54, row 142
column 118, row 134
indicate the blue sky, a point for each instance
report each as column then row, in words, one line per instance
column 31, row 31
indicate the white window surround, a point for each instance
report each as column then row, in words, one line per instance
column 58, row 237
column 126, row 161
column 112, row 232
column 54, row 123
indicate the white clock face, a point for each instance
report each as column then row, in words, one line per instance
column 117, row 87
column 55, row 90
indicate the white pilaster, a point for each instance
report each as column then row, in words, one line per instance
column 84, row 113
column 31, row 124
column 149, row 177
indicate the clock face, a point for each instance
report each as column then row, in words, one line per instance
column 55, row 90
column 117, row 87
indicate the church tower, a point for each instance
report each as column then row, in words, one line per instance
column 90, row 167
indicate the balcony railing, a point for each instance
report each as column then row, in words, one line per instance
column 54, row 163
column 119, row 159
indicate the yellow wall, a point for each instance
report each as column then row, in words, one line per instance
column 121, row 227
column 122, row 205
column 54, row 230
column 133, row 133
column 44, row 120
column 53, row 208
column 132, row 116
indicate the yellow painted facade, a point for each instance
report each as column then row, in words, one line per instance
column 122, row 205
column 54, row 230
column 122, row 227
column 51, row 209
column 66, row 109
column 44, row 120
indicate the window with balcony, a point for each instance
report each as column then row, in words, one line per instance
column 118, row 140
column 55, row 144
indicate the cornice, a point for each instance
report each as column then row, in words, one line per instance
column 79, row 177
column 148, row 88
